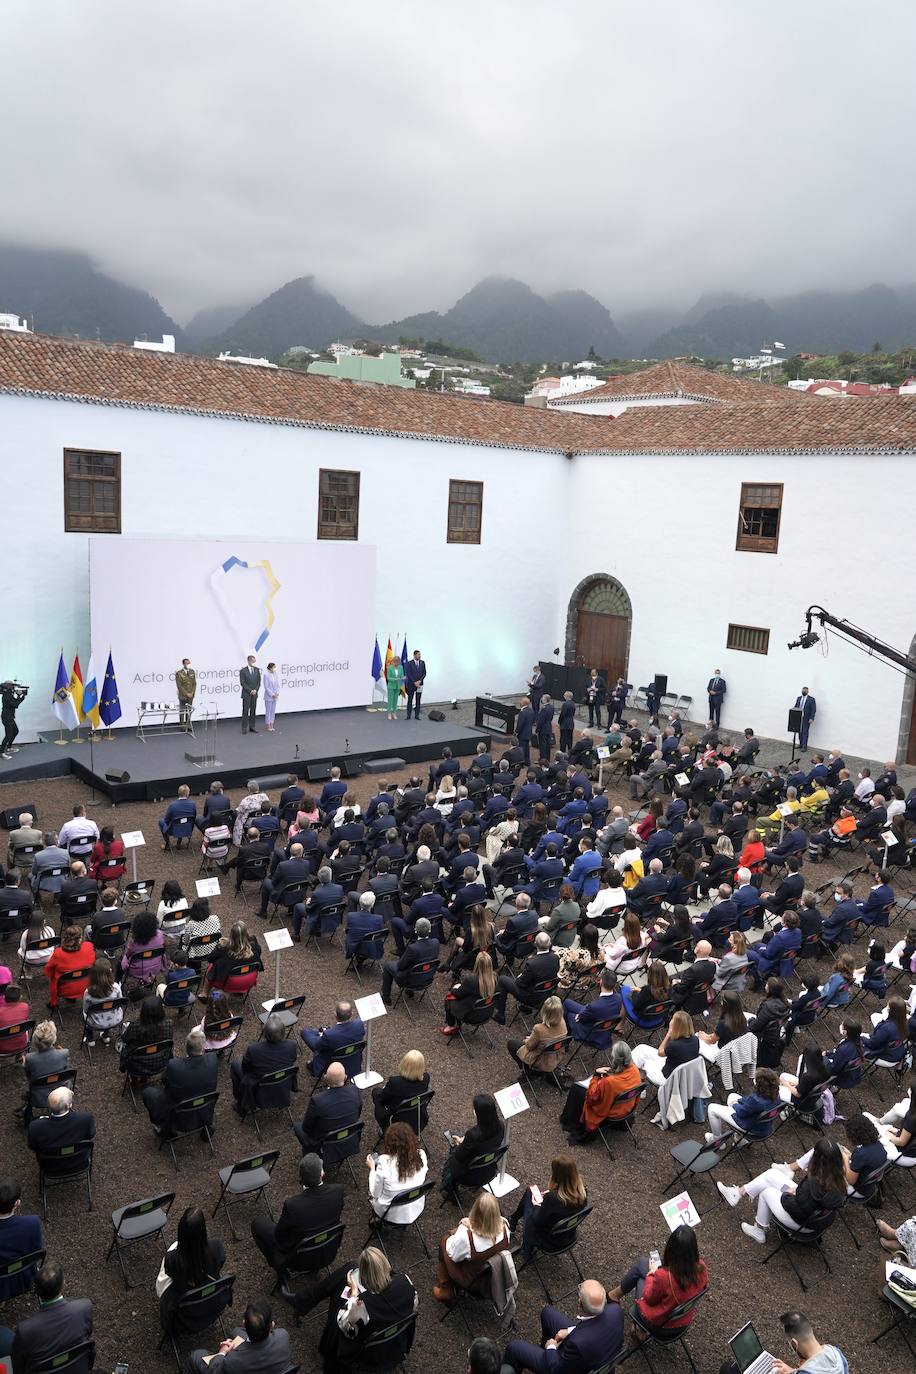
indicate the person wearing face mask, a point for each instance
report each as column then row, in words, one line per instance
column 812, row 1357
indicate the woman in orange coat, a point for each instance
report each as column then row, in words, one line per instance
column 72, row 953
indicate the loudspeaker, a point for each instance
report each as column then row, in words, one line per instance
column 317, row 772
column 115, row 775
column 795, row 721
column 353, row 767
column 661, row 684
column 435, row 715
column 9, row 818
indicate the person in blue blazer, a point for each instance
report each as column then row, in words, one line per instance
column 543, row 728
column 837, row 928
column 360, row 922
column 327, row 893
column 881, row 896
column 19, row 1235
column 573, row 1345
column 414, row 677
column 808, row 707
column 716, row 688
column 326, row 1042
column 333, row 792
column 573, row 811
column 585, row 874
column 607, row 1006
column 767, row 956
column 660, row 842
column 182, row 809
column 546, row 870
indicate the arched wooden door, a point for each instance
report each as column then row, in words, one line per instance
column 599, row 623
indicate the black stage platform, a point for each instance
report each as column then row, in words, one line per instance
column 157, row 766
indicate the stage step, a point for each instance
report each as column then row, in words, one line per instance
column 384, row 765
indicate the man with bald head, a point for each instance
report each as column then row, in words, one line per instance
column 64, row 1126
column 573, row 1346
column 329, row 1111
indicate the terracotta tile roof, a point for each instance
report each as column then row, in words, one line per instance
column 672, row 378
column 42, row 365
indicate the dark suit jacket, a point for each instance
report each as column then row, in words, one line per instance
column 50, row 1132
column 425, row 951
column 682, row 991
column 259, row 1058
column 524, row 724
column 333, row 1039
column 250, row 679
column 19, row 1235
column 77, row 887
column 181, row 809
column 291, row 871
column 332, row 794
column 589, row 1344
column 183, row 1078
column 56, row 1326
column 415, row 672
column 544, row 723
column 329, row 1111
column 314, row 1209
column 537, row 968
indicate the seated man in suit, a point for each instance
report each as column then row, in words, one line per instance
column 607, row 1006
column 52, row 856
column 383, row 797
column 509, row 860
column 102, row 920
column 530, row 792
column 659, row 845
column 316, row 1207
column 295, row 869
column 793, row 841
column 423, row 949
column 523, row 922
column 62, row 1127
column 181, row 1079
column 571, row 815
column 25, row 836
column 345, row 863
column 182, row 809
column 464, row 859
column 789, row 890
column 360, row 921
column 274, row 1051
column 253, row 847
column 258, row 1347
column 326, row 1042
column 329, row 1111
column 874, row 820
column 585, row 872
column 654, row 884
column 16, row 901
column 746, row 898
column 20, row 1234
column 881, row 896
column 428, row 904
column 688, row 990
column 767, row 956
column 472, row 893
column 838, row 926
column 59, row 1324
column 424, row 866
column 332, row 794
column 592, row 1338
column 326, row 894
column 79, row 884
column 448, row 767
column 540, row 966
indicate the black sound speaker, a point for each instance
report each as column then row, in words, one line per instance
column 116, row 775
column 317, row 772
column 795, row 721
column 10, row 816
column 436, row 715
column 661, row 684
column 353, row 767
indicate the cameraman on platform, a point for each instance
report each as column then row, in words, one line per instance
column 12, row 694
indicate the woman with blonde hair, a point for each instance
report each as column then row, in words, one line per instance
column 463, row 1254
column 472, row 985
column 372, row 1297
column 548, row 1028
column 410, row 1081
column 680, row 1045
column 446, row 795
column 400, row 1165
column 45, row 1056
column 539, row 1212
column 237, row 948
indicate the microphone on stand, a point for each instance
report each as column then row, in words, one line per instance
column 346, row 745
column 297, row 751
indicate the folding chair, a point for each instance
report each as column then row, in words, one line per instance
column 80, row 847
column 68, row 1164
column 417, row 979
column 328, row 923
column 247, row 971
column 810, row 1237
column 287, row 1010
column 57, row 872
column 276, row 1078
column 393, row 1337
column 110, row 1004
column 110, row 873
column 412, row 1111
column 369, row 950
column 63, row 1078
column 186, row 988
column 350, row 1056
column 481, row 1170
column 138, row 1221
column 196, row 1311
column 312, row 1253
column 865, row 1191
column 481, row 1011
column 631, row 1099
column 538, row 993
column 70, row 988
column 531, row 1072
column 903, row 1316
column 653, row 1335
column 178, row 1112
column 403, row 1199
column 215, row 853
column 142, row 889
column 290, row 895
column 247, row 1178
column 14, row 1033
column 599, row 1028
column 511, row 877
column 254, row 871
column 145, row 1062
column 25, row 1267
column 343, row 1136
column 561, row 1239
column 75, row 1358
column 111, row 939
column 180, row 831
column 77, row 910
column 219, row 1030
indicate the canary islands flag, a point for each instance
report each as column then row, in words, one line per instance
column 91, row 696
column 75, row 688
column 62, row 702
column 376, row 668
column 110, row 705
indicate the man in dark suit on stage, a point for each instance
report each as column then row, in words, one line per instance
column 808, row 707
column 414, row 676
column 250, row 683
column 59, row 1324
column 537, row 685
column 716, row 688
column 566, row 721
column 317, row 1207
column 543, row 728
column 524, row 728
column 595, row 694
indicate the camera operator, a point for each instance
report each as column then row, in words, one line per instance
column 12, row 694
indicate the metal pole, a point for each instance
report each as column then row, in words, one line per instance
column 277, row 978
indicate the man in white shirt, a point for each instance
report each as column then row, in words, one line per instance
column 78, row 828
column 865, row 786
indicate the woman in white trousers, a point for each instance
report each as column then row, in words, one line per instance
column 271, row 693
column 794, row 1205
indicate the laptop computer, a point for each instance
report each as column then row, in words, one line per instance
column 750, row 1356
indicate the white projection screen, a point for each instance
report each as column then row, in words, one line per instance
column 308, row 607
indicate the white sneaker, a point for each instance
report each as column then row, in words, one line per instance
column 756, row 1233
column 709, row 1137
column 732, row 1195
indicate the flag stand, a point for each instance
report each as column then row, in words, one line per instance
column 76, row 737
column 61, row 740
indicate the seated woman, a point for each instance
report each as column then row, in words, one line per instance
column 400, row 1165
column 837, row 987
column 872, row 975
column 628, row 951
column 864, row 1154
column 410, row 1079
column 177, row 968
column 307, row 816
column 888, row 1042
column 217, row 1010
column 480, row 982
column 143, row 958
column 845, row 1062
column 476, row 938
column 485, row 1135
column 682, row 879
column 587, row 1108
column 549, row 1026
column 366, row 1299
column 172, row 911
column 539, row 1212
column 666, row 935
column 651, row 819
column 201, row 926
column 680, row 1045
column 769, row 1024
column 731, row 1025
column 805, row 1089
column 446, row 796
column 37, row 929
column 71, row 954
column 711, row 872
column 746, row 1112
column 661, row 1288
column 752, row 855
column 45, row 1056
column 238, row 948
column 107, row 853
column 904, row 1135
column 14, row 1009
column 102, row 987
column 463, row 1254
column 803, row 1009
column 567, row 909
column 583, row 960
column 191, row 1259
column 732, row 968
column 152, row 1027
column 636, row 1001
column 767, row 956
column 530, row 831
column 799, row 1206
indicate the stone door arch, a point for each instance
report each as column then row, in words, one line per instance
column 599, row 620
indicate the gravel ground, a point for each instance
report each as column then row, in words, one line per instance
column 626, row 1191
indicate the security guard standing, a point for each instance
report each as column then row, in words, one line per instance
column 186, row 682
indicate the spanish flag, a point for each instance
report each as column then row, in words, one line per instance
column 75, row 688
column 390, row 656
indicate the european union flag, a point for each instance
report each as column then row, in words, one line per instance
column 376, row 669
column 110, row 705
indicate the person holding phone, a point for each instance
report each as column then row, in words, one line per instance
column 664, row 1283
column 539, row 1212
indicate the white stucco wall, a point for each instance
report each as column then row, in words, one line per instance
column 481, row 613
column 676, row 556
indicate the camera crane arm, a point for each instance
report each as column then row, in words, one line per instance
column 852, row 633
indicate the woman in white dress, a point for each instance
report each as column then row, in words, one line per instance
column 401, row 1165
column 271, row 692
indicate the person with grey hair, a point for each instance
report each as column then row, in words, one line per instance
column 315, row 1208
column 422, row 949
column 326, row 894
column 62, row 1127
column 24, row 836
column 643, row 784
column 182, row 1079
column 360, row 924
column 52, row 856
column 249, row 806
column 275, row 1050
column 541, row 967
column 597, row 1104
column 594, row 1337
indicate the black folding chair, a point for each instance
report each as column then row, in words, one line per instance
column 15, row 1032
column 141, row 889
column 481, row 1011
column 275, row 1078
column 57, row 872
column 809, row 1237
column 64, row 1164
column 561, row 1239
column 386, row 1345
column 289, row 896
column 509, row 878
column 98, row 1008
column 412, row 1111
column 663, row 1335
column 287, row 1010
column 138, row 1221
column 145, row 1063
column 529, row 1002
column 247, row 1178
column 609, row 1026
column 51, row 942
column 76, row 910
column 369, row 950
column 254, row 871
column 220, row 1030
column 347, row 1138
column 328, row 924
column 312, row 1253
column 417, row 979
column 108, row 940
column 481, row 1170
column 904, row 1314
column 531, row 1072
column 198, row 1310
column 179, row 1114
column 76, row 1359
column 47, row 1082
column 26, row 1266
column 402, row 1199
column 350, row 1056
column 630, row 1099
column 66, row 996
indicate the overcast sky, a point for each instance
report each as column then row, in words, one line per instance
column 209, row 150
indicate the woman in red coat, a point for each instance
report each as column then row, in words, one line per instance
column 73, row 952
column 660, row 1288
column 752, row 855
column 108, row 851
